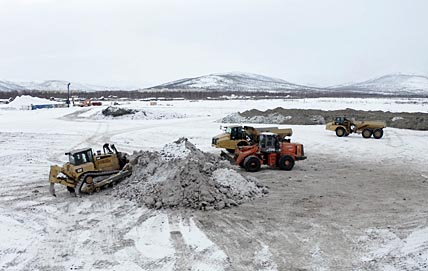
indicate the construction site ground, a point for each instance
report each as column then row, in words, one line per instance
column 354, row 204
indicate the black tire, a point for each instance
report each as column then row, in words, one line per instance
column 286, row 162
column 347, row 134
column 232, row 151
column 340, row 131
column 367, row 133
column 242, row 164
column 252, row 164
column 378, row 133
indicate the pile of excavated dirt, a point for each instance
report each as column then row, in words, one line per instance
column 414, row 121
column 181, row 175
column 114, row 112
column 117, row 111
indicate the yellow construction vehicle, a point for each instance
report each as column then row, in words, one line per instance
column 87, row 171
column 237, row 135
column 344, row 126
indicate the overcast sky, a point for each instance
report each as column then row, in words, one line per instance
column 142, row 43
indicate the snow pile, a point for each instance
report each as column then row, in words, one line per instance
column 113, row 112
column 25, row 102
column 184, row 176
column 175, row 150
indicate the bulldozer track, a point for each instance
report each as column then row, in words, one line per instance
column 82, row 179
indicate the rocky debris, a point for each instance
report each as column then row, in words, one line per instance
column 181, row 175
column 114, row 111
column 414, row 121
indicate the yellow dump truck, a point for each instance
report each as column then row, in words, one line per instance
column 237, row 135
column 344, row 127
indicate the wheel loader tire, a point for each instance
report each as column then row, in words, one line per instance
column 367, row 133
column 347, row 134
column 378, row 133
column 252, row 164
column 286, row 162
column 242, row 164
column 340, row 131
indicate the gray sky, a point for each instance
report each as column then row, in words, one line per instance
column 142, row 43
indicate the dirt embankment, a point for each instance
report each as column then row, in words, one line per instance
column 414, row 121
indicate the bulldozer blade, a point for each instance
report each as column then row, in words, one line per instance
column 227, row 156
column 52, row 189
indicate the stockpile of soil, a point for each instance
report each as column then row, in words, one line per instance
column 117, row 111
column 181, row 175
column 414, row 121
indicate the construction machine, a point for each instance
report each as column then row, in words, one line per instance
column 237, row 135
column 344, row 127
column 88, row 171
column 271, row 150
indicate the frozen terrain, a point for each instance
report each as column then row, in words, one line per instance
column 355, row 204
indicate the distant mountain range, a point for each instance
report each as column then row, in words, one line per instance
column 392, row 84
column 235, row 81
column 51, row 85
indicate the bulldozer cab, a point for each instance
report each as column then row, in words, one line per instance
column 268, row 142
column 80, row 157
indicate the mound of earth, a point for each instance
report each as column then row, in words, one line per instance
column 181, row 175
column 113, row 111
column 136, row 114
column 414, row 121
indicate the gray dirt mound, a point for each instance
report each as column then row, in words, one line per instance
column 117, row 111
column 414, row 121
column 181, row 175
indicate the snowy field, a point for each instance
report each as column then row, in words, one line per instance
column 40, row 232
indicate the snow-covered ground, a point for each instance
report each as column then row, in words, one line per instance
column 40, row 232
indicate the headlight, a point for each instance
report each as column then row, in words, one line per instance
column 79, row 170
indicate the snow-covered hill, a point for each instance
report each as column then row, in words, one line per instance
column 51, row 85
column 10, row 86
column 391, row 84
column 233, row 81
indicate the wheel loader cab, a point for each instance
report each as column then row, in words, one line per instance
column 268, row 142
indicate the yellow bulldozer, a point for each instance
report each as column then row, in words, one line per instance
column 344, row 126
column 237, row 135
column 88, row 171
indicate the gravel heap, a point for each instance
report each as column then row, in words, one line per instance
column 181, row 175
